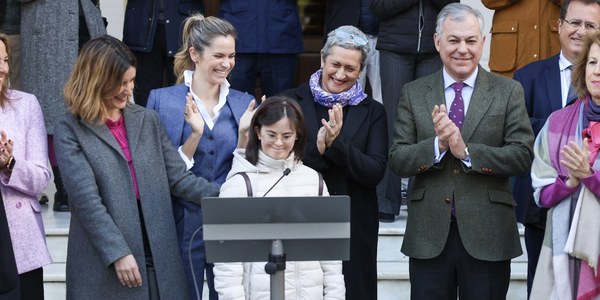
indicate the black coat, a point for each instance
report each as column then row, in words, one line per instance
column 353, row 165
column 9, row 278
column 399, row 24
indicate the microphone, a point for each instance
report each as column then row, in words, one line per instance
column 286, row 172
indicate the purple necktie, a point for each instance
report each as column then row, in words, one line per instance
column 457, row 109
column 457, row 115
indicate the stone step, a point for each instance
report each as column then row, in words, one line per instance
column 393, row 276
column 393, row 281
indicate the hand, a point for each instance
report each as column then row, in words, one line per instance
column 577, row 161
column 457, row 145
column 333, row 127
column 444, row 127
column 321, row 135
column 246, row 118
column 244, row 126
column 6, row 149
column 128, row 272
column 192, row 116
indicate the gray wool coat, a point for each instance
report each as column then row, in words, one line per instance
column 105, row 223
column 49, row 47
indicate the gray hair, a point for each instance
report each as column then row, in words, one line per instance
column 457, row 12
column 347, row 41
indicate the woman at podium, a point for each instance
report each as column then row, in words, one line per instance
column 272, row 165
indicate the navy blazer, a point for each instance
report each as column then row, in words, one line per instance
column 264, row 26
column 141, row 19
column 541, row 84
column 170, row 103
column 542, row 87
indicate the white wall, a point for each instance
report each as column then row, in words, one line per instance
column 114, row 11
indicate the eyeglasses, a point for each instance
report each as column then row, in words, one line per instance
column 576, row 24
column 359, row 40
column 272, row 137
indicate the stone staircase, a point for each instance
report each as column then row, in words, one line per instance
column 392, row 264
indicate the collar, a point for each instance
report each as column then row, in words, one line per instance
column 563, row 62
column 470, row 81
column 223, row 91
column 276, row 164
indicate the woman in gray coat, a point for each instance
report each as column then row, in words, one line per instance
column 120, row 169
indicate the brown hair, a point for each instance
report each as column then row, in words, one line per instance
column 99, row 69
column 198, row 33
column 4, row 88
column 269, row 112
column 578, row 74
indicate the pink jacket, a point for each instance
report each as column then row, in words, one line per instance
column 22, row 120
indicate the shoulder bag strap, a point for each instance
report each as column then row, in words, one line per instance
column 320, row 184
column 247, row 180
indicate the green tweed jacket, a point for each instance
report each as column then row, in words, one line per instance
column 499, row 137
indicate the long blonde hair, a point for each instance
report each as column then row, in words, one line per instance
column 99, row 69
column 198, row 33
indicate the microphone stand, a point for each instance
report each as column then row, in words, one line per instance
column 276, row 269
column 276, row 265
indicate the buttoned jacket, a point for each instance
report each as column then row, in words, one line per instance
column 523, row 31
column 543, row 95
column 21, row 119
column 169, row 102
column 497, row 132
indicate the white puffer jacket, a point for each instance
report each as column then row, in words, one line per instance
column 307, row 280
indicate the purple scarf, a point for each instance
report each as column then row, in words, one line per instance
column 352, row 96
column 567, row 125
column 564, row 125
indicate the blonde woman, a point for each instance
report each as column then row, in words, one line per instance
column 202, row 117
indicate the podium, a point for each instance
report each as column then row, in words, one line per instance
column 251, row 229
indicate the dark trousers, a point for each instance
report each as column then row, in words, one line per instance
column 276, row 72
column 150, row 271
column 396, row 70
column 9, row 277
column 154, row 69
column 454, row 269
column 188, row 219
column 32, row 284
column 534, row 237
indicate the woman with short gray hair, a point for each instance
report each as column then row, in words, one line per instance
column 347, row 142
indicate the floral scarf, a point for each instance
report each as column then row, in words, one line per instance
column 352, row 96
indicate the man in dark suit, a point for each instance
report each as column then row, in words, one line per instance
column 152, row 30
column 461, row 231
column 546, row 84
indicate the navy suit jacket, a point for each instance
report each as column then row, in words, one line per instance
column 542, row 87
column 541, row 84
